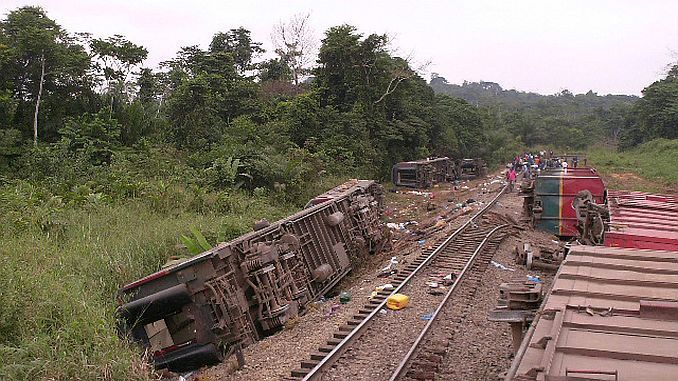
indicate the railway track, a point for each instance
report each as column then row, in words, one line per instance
column 410, row 344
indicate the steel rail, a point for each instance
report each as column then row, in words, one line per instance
column 402, row 366
column 338, row 350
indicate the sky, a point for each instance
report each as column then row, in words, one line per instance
column 610, row 47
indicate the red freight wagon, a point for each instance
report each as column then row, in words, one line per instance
column 642, row 220
column 554, row 191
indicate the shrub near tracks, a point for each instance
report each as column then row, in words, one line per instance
column 61, row 268
column 649, row 167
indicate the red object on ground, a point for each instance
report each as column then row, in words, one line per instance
column 642, row 220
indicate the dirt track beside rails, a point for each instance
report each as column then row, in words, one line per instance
column 482, row 350
column 488, row 348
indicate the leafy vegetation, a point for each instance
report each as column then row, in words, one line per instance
column 562, row 120
column 649, row 167
column 656, row 114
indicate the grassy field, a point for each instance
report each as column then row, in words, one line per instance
column 60, row 277
column 651, row 167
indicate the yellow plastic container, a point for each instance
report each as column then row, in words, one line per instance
column 397, row 301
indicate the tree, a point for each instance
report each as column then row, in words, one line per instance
column 38, row 59
column 294, row 43
column 274, row 70
column 116, row 57
column 655, row 115
column 239, row 45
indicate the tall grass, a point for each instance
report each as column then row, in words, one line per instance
column 57, row 288
column 655, row 163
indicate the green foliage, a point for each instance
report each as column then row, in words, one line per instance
column 562, row 119
column 91, row 136
column 653, row 161
column 238, row 44
column 27, row 38
column 655, row 115
column 68, row 248
column 225, row 172
column 196, row 244
column 117, row 56
column 213, row 141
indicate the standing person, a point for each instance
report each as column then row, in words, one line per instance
column 526, row 171
column 511, row 177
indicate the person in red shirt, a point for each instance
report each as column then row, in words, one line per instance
column 511, row 178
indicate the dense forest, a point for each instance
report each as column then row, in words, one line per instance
column 105, row 163
column 576, row 121
column 563, row 119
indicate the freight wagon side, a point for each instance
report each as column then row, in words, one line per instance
column 555, row 190
column 195, row 312
column 642, row 220
column 611, row 314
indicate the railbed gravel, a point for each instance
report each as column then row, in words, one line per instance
column 482, row 350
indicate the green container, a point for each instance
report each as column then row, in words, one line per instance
column 344, row 297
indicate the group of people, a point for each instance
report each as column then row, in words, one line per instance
column 530, row 164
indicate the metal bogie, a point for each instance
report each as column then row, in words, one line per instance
column 191, row 313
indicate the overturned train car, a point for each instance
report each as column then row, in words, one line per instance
column 424, row 173
column 551, row 199
column 196, row 312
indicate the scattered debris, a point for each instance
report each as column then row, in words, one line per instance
column 449, row 279
column 384, row 287
column 541, row 257
column 501, row 266
column 517, row 305
column 390, row 269
column 397, row 301
column 332, row 310
column 419, row 193
column 344, row 297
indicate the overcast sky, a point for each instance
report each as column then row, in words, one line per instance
column 616, row 47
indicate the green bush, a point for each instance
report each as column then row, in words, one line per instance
column 654, row 161
column 58, row 299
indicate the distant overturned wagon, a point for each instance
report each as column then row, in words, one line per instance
column 424, row 173
column 196, row 312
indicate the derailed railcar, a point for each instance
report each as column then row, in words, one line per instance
column 195, row 312
column 611, row 314
column 470, row 168
column 423, row 173
column 631, row 219
column 552, row 200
